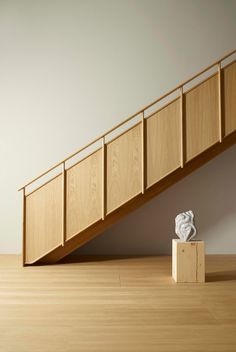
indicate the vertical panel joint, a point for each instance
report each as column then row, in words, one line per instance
column 63, row 204
column 143, row 153
column 182, row 140
column 103, row 178
column 24, row 229
column 220, row 102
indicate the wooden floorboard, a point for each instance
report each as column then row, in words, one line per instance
column 118, row 304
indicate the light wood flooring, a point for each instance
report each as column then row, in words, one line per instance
column 116, row 304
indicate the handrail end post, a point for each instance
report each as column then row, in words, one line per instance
column 103, row 177
column 220, row 102
column 23, row 227
column 63, row 204
column 143, row 152
column 182, row 128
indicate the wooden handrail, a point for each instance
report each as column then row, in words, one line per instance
column 131, row 117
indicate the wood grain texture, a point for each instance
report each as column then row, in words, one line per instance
column 128, row 170
column 188, row 261
column 43, row 220
column 116, row 304
column 151, row 192
column 200, row 254
column 124, row 168
column 202, row 116
column 229, row 97
column 84, row 194
column 163, row 136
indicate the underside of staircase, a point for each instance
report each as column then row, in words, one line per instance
column 121, row 174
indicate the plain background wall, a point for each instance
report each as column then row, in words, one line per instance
column 70, row 70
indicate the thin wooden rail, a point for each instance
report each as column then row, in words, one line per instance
column 220, row 102
column 63, row 204
column 103, row 178
column 23, row 227
column 143, row 153
column 131, row 117
column 182, row 143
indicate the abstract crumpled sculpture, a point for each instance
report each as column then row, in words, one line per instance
column 184, row 226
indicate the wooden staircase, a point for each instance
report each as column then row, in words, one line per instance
column 157, row 147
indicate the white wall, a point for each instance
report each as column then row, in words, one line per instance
column 69, row 70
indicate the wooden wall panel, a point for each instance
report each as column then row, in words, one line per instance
column 124, row 168
column 163, row 136
column 229, row 97
column 84, row 194
column 44, row 219
column 202, row 117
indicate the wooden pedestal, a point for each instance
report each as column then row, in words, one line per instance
column 188, row 261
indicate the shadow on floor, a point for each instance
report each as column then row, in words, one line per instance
column 221, row 276
column 98, row 258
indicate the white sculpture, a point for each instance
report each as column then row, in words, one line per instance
column 184, row 226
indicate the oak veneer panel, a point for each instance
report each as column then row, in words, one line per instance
column 124, row 167
column 43, row 219
column 201, row 109
column 163, row 136
column 84, row 194
column 138, row 201
column 229, row 97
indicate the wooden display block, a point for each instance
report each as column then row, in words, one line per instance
column 188, row 261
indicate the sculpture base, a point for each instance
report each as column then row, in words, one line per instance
column 188, row 261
